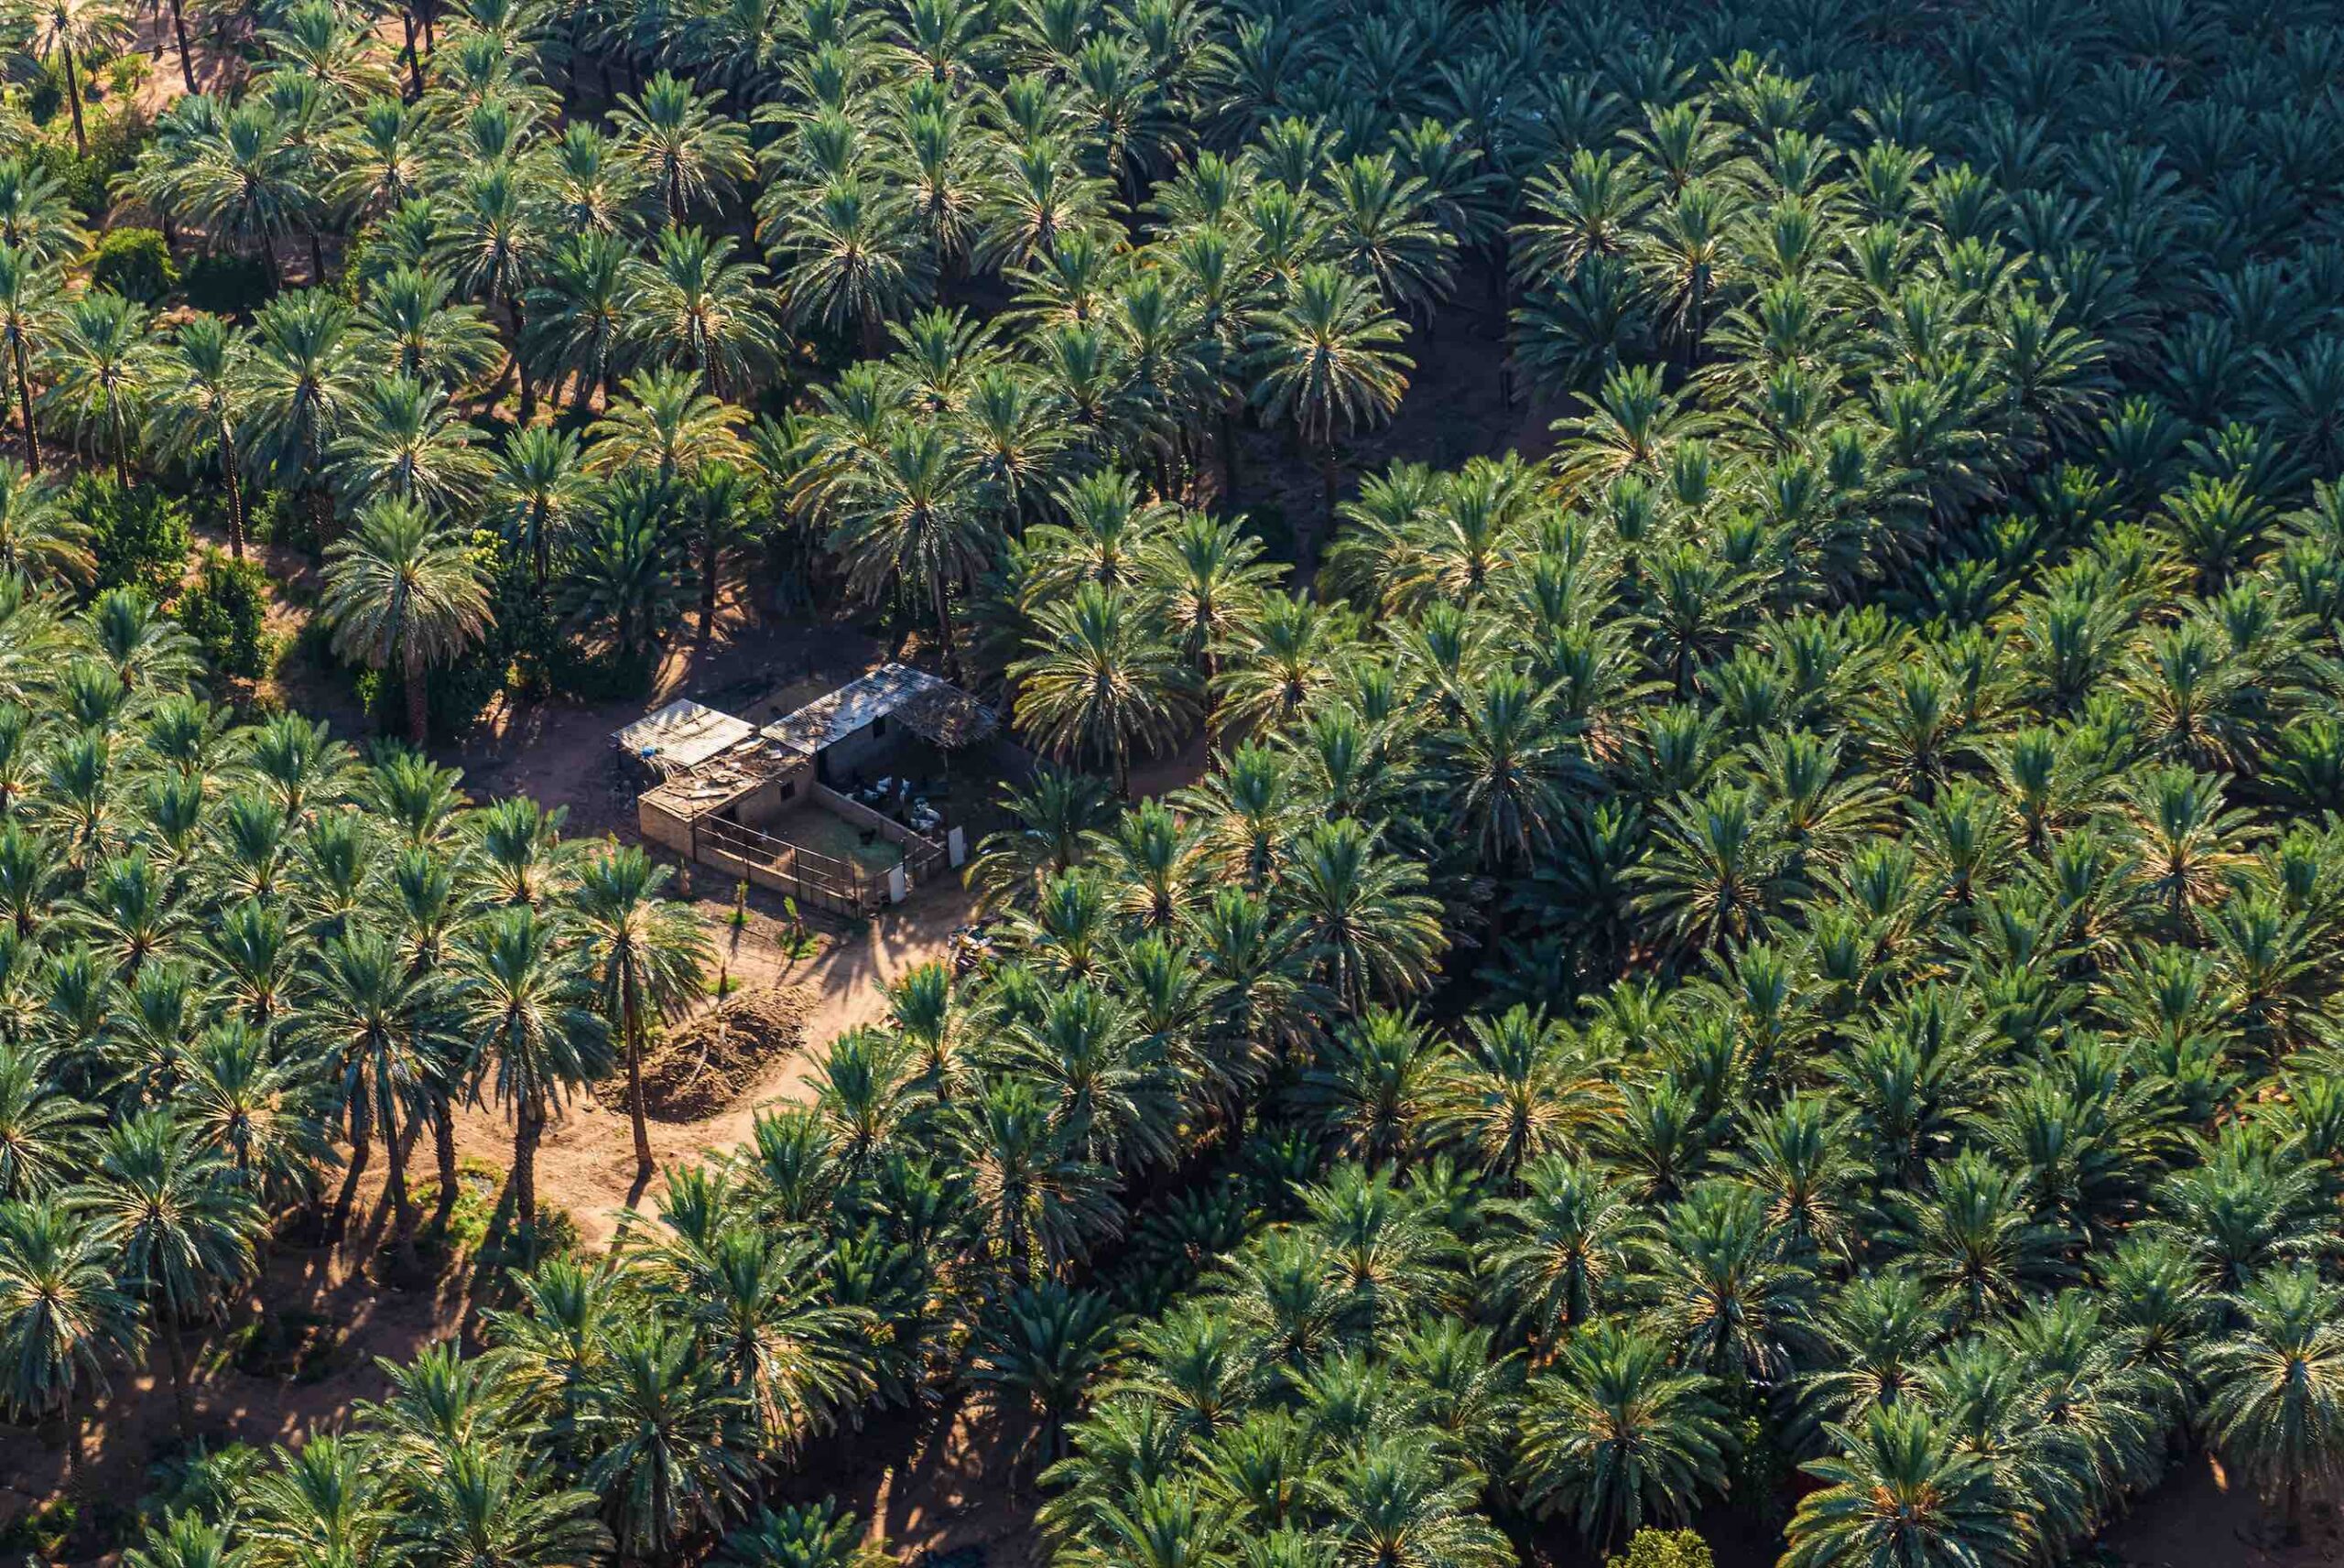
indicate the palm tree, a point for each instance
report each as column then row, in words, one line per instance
column 521, row 999
column 72, row 32
column 2275, row 1402
column 762, row 1303
column 104, row 366
column 1038, row 1203
column 38, row 535
column 692, row 304
column 403, row 442
column 63, row 1315
column 490, row 1507
column 1100, row 680
column 1612, row 1436
column 248, row 180
column 683, row 147
column 1038, row 1355
column 402, row 593
column 1361, row 913
column 1901, row 1490
column 300, row 383
column 412, row 328
column 578, row 310
column 204, row 410
column 182, row 1226
column 1325, row 360
column 645, row 956
column 539, row 490
column 31, row 294
column 847, row 254
column 668, row 427
column 329, row 1500
column 366, row 1020
column 910, row 522
column 492, row 242
column 1555, row 1254
column 665, row 1432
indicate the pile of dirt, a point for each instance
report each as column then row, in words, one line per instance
column 699, row 1068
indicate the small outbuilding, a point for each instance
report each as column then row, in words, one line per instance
column 723, row 792
column 862, row 727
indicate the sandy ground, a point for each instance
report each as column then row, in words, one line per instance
column 586, row 1165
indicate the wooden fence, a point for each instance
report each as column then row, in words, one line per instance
column 818, row 880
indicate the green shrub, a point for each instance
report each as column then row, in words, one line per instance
column 1664, row 1549
column 134, row 263
column 226, row 611
column 199, row 1480
column 139, row 536
column 114, row 141
column 225, row 285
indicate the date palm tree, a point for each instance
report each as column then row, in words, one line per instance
column 522, row 1006
column 487, row 1506
column 1901, row 1490
column 104, row 366
column 31, row 301
column 203, row 413
column 578, row 310
column 403, row 592
column 1325, row 360
column 1102, row 680
column 402, row 442
column 38, row 535
column 301, row 384
column 645, row 956
column 692, row 304
column 683, row 147
column 665, row 1432
column 1614, row 1436
column 182, row 1226
column 908, row 522
column 72, row 32
column 2274, row 1401
column 64, row 1316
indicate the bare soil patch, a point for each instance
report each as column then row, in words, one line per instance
column 698, row 1068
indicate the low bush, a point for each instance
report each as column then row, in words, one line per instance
column 138, row 536
column 134, row 263
column 225, row 285
column 226, row 610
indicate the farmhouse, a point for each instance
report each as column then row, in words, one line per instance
column 839, row 803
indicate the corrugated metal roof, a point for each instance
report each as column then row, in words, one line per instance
column 935, row 709
column 684, row 734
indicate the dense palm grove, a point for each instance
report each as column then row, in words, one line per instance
column 1774, row 966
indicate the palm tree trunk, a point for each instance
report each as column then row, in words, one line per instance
column 443, row 1155
column 708, row 574
column 24, row 405
column 167, row 1328
column 1228, row 458
column 361, row 1139
column 317, row 261
column 943, row 605
column 418, row 708
column 187, row 55
column 520, row 370
column 77, row 1444
column 73, row 96
column 235, row 482
column 414, row 58
column 635, row 1096
column 395, row 1146
column 528, row 1128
